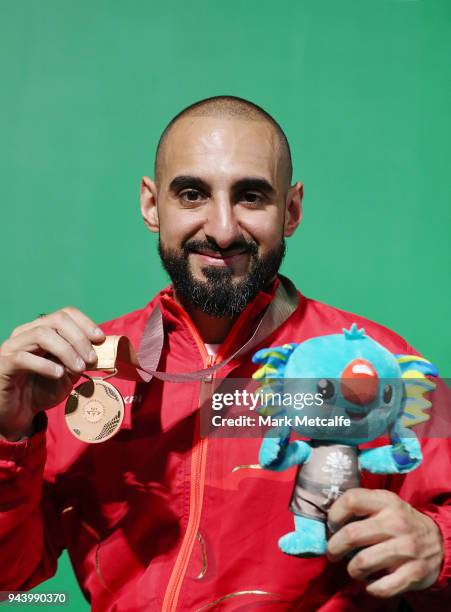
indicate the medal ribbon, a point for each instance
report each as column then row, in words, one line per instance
column 116, row 353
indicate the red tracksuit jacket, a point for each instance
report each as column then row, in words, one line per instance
column 157, row 518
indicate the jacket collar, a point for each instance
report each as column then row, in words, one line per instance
column 175, row 316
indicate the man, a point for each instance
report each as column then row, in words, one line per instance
column 157, row 517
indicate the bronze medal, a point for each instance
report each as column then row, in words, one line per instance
column 94, row 411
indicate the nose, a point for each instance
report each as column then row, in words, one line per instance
column 221, row 223
column 359, row 382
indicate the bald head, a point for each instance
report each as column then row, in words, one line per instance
column 233, row 108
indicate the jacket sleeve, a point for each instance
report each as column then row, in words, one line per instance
column 30, row 534
column 428, row 488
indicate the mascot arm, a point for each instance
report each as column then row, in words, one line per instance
column 277, row 453
column 400, row 457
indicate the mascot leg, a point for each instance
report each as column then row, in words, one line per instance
column 309, row 539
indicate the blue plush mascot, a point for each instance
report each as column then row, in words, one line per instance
column 353, row 380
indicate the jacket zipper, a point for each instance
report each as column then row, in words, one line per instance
column 198, row 465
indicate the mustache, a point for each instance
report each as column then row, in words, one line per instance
column 244, row 246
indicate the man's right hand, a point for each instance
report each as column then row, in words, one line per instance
column 39, row 364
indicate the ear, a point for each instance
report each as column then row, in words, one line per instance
column 149, row 208
column 293, row 208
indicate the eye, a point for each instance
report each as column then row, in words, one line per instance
column 387, row 394
column 191, row 195
column 250, row 198
column 326, row 388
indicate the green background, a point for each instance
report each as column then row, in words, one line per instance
column 361, row 87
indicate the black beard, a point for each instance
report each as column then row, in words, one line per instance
column 219, row 296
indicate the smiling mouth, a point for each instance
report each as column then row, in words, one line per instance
column 220, row 259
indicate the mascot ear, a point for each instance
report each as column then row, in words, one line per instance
column 273, row 360
column 271, row 374
column 414, row 372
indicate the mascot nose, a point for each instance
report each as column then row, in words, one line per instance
column 359, row 382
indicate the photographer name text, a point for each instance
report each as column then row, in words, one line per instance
column 282, row 421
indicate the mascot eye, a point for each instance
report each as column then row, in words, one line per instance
column 326, row 388
column 387, row 394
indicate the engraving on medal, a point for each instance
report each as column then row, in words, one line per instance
column 94, row 411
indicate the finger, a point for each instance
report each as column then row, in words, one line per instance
column 66, row 327
column 94, row 333
column 356, row 535
column 49, row 341
column 48, row 393
column 359, row 502
column 87, row 325
column 382, row 556
column 407, row 577
column 70, row 330
column 28, row 362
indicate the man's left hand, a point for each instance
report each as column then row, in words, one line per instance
column 394, row 537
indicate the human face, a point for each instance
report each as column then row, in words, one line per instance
column 222, row 203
